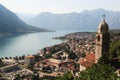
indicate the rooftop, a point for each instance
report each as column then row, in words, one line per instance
column 88, row 60
column 54, row 60
column 29, row 56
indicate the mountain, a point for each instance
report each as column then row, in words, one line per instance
column 11, row 24
column 25, row 16
column 86, row 20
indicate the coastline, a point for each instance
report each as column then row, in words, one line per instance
column 23, row 43
column 58, row 38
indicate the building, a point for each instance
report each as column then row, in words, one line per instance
column 9, row 68
column 56, row 65
column 102, row 46
column 87, row 61
column 102, row 40
column 29, row 60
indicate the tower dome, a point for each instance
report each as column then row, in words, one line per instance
column 103, row 27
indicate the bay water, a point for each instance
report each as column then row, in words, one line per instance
column 29, row 43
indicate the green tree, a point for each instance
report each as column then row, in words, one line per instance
column 23, row 57
column 82, row 54
column 6, row 57
column 115, row 49
column 48, row 55
column 98, row 72
column 1, row 62
column 115, row 54
column 17, row 77
column 66, row 76
column 72, row 55
column 31, row 67
column 104, row 59
column 35, row 77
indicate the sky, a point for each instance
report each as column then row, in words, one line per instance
column 59, row 6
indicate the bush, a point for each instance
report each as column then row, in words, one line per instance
column 98, row 72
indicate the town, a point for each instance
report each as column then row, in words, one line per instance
column 77, row 52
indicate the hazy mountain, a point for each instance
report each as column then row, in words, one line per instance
column 84, row 20
column 11, row 24
column 25, row 16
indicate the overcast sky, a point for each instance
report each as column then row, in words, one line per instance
column 59, row 6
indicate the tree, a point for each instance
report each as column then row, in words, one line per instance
column 47, row 55
column 115, row 49
column 115, row 54
column 1, row 63
column 104, row 59
column 23, row 57
column 98, row 72
column 72, row 55
column 20, row 58
column 31, row 67
column 95, row 72
column 66, row 76
column 6, row 57
column 82, row 54
column 17, row 77
column 35, row 77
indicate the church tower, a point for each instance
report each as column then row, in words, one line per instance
column 102, row 39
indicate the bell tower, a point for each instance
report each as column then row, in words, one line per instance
column 102, row 39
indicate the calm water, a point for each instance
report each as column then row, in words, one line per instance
column 28, row 44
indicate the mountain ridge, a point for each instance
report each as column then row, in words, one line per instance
column 87, row 19
column 10, row 23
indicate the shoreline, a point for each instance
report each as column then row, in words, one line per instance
column 58, row 38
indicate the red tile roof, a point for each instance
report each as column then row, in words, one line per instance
column 88, row 60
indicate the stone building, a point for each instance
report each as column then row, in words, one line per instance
column 87, row 61
column 9, row 68
column 29, row 60
column 102, row 40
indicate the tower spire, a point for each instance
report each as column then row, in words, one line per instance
column 103, row 17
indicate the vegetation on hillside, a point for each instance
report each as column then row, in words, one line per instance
column 1, row 62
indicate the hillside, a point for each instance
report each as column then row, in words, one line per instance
column 11, row 24
column 85, row 20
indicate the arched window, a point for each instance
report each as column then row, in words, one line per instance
column 98, row 38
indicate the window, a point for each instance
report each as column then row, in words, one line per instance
column 98, row 38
